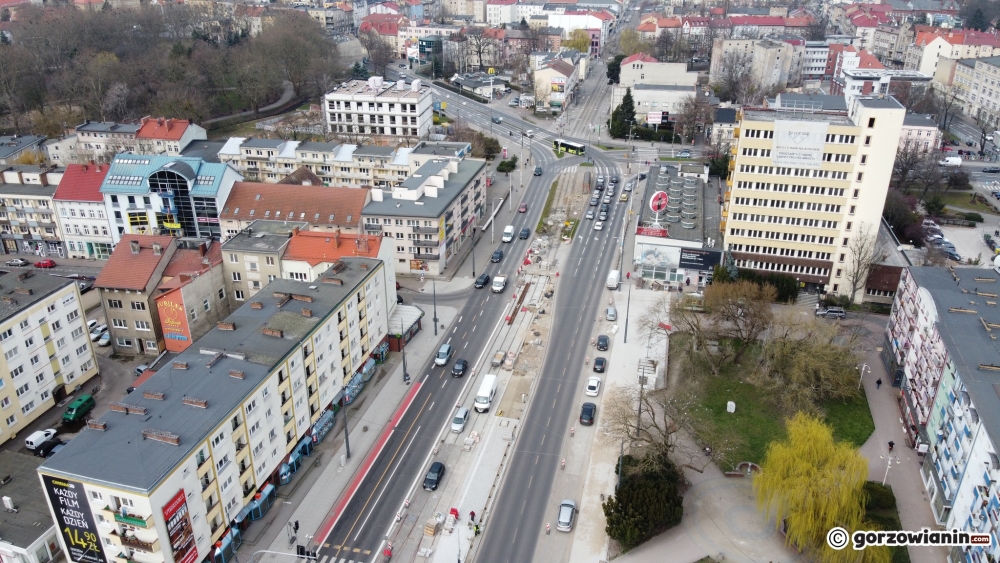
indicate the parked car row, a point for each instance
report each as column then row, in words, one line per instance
column 935, row 240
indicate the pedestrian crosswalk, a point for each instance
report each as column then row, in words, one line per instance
column 346, row 555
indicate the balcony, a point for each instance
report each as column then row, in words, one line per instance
column 127, row 519
column 240, row 445
column 373, row 227
column 135, row 543
column 206, row 483
column 420, row 256
column 122, row 558
column 425, row 230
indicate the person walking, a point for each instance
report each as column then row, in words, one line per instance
column 891, row 445
column 878, row 383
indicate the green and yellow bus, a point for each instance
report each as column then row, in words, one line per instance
column 560, row 145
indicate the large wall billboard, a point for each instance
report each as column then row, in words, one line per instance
column 799, row 144
column 179, row 528
column 74, row 520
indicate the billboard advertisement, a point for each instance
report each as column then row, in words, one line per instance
column 74, row 519
column 179, row 528
column 700, row 259
column 654, row 118
column 799, row 144
column 173, row 321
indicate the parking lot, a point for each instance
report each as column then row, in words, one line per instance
column 969, row 241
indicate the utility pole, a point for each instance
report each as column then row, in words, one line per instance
column 473, row 251
column 347, row 437
column 638, row 419
column 402, row 350
column 435, row 296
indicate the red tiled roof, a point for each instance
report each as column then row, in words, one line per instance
column 81, row 182
column 798, row 22
column 638, row 57
column 669, row 22
column 10, row 3
column 191, row 261
column 602, row 15
column 648, row 26
column 501, row 2
column 251, row 200
column 868, row 61
column 125, row 270
column 162, row 129
column 315, row 248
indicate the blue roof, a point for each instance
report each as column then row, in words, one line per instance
column 129, row 173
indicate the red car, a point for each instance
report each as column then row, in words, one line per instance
column 523, row 208
column 45, row 264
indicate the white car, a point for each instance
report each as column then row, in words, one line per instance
column 593, row 386
column 599, row 226
column 461, row 417
column 91, row 324
column 97, row 331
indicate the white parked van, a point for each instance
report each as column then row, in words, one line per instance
column 950, row 161
column 36, row 438
column 508, row 233
column 487, row 391
column 614, row 279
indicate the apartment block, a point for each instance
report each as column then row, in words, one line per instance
column 920, row 132
column 100, row 141
column 13, row 147
column 29, row 534
column 976, row 84
column 378, row 110
column 929, row 47
column 794, row 206
column 81, row 214
column 430, row 215
column 321, row 209
column 27, row 215
column 47, row 353
column 222, row 425
column 941, row 354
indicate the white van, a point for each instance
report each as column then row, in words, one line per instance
column 487, row 391
column 614, row 279
column 36, row 438
column 508, row 234
column 951, row 161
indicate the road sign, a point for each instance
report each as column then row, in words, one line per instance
column 654, row 117
column 658, row 202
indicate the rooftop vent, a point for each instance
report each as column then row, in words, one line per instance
column 154, row 395
column 334, row 281
column 193, row 402
column 307, row 312
column 222, row 325
column 161, row 436
column 97, row 425
column 277, row 333
column 180, row 365
column 238, row 374
column 23, row 290
column 299, row 297
column 256, row 305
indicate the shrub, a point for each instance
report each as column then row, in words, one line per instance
column 880, row 497
column 645, row 504
column 973, row 216
column 785, row 284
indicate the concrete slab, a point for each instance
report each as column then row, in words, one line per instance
column 969, row 243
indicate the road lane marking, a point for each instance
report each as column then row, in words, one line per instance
column 356, row 550
column 430, row 408
column 548, row 422
column 454, row 330
column 463, row 338
column 460, row 319
column 448, row 341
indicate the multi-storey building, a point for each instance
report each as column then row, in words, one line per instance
column 929, row 47
column 920, row 132
column 149, row 268
column 81, row 214
column 772, row 62
column 430, row 215
column 60, row 151
column 170, row 136
column 100, row 141
column 221, row 425
column 794, row 207
column 378, row 110
column 46, row 347
column 323, row 210
column 29, row 535
column 28, row 222
column 941, row 353
column 975, row 83
column 814, row 63
column 14, row 147
column 166, row 195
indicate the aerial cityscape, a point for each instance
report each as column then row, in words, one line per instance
column 361, row 276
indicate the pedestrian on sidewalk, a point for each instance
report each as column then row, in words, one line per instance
column 891, row 445
column 878, row 383
column 628, row 275
column 472, row 515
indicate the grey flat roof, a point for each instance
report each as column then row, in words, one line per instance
column 263, row 236
column 427, row 206
column 892, row 253
column 374, row 150
column 919, row 120
column 13, row 144
column 258, row 143
column 654, row 183
column 963, row 334
column 317, row 146
column 663, row 87
column 884, row 103
column 820, row 101
column 40, row 285
column 121, row 457
column 32, row 519
column 441, row 148
column 205, row 150
column 725, row 115
column 108, row 127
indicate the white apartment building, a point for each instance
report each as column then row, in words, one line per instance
column 814, row 64
column 46, row 347
column 378, row 110
column 81, row 214
column 928, row 47
column 920, row 132
column 28, row 223
column 220, row 426
column 976, row 83
column 793, row 207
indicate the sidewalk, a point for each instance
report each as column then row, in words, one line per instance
column 313, row 493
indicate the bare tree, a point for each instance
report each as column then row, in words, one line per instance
column 695, row 112
column 986, row 123
column 482, row 45
column 947, row 98
column 908, row 158
column 864, row 251
column 380, row 52
column 736, row 82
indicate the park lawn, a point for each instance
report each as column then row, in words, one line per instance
column 961, row 201
column 851, row 420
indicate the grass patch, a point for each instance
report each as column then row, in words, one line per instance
column 574, row 225
column 962, row 200
column 882, row 510
column 675, row 159
column 611, row 148
column 559, row 154
column 540, row 228
column 851, row 420
column 591, row 164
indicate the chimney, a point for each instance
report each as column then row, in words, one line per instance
column 202, row 248
column 84, row 167
column 157, row 249
column 363, row 243
column 336, row 238
column 98, row 168
column 295, row 231
column 135, row 246
column 145, row 119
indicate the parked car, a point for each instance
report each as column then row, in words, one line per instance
column 434, row 476
column 104, row 340
column 45, row 264
column 497, row 256
column 461, row 417
column 18, row 262
column 600, row 364
column 91, row 324
column 954, row 256
column 141, row 369
column 458, row 370
column 593, row 386
column 603, row 342
column 482, row 280
column 97, row 332
column 642, row 176
column 587, row 414
column 567, row 515
column 832, row 313
column 48, row 447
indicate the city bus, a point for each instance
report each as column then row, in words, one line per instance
column 560, row 145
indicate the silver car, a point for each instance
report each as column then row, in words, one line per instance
column 461, row 417
column 567, row 515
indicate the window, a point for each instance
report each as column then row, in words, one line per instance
column 77, row 332
column 5, row 403
column 251, row 406
column 218, row 439
column 239, row 295
column 40, row 378
column 857, row 193
column 28, row 407
column 22, row 389
column 56, row 325
column 853, row 207
column 848, row 226
column 10, row 353
column 864, row 159
column 7, row 334
column 11, row 420
column 845, row 241
column 222, row 293
column 142, row 325
column 868, row 141
column 16, row 372
column 81, row 350
column 119, row 323
column 34, row 360
column 861, row 176
column 237, row 276
column 269, row 260
column 24, row 324
column 114, row 304
column 222, row 463
column 206, row 305
column 871, row 122
column 124, row 342
column 842, row 256
column 255, row 428
column 29, row 342
column 138, row 306
column 194, row 314
column 234, row 258
column 61, row 342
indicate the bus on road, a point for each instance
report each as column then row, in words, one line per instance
column 560, row 145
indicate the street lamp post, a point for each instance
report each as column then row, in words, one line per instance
column 888, row 466
column 862, row 376
column 435, row 298
column 493, row 221
column 628, row 307
column 473, row 251
column 402, row 350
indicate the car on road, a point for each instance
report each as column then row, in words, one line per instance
column 587, row 414
column 497, row 256
column 603, row 342
column 444, row 355
column 530, row 133
column 514, row 102
column 597, row 194
column 593, row 386
column 614, row 179
column 458, row 370
column 992, row 170
column 523, row 208
column 496, row 119
column 482, row 281
column 623, row 197
column 141, row 369
column 589, row 215
column 524, row 234
column 434, row 476
column 600, row 180
column 970, row 144
column 954, row 256
column 602, row 216
column 607, row 198
column 104, row 340
column 402, row 65
column 832, row 313
column 402, row 77
column 18, row 262
column 45, row 264
column 567, row 515
column 594, row 201
column 461, row 417
column 538, row 171
column 600, row 364
column 599, row 226
column 684, row 154
column 97, row 331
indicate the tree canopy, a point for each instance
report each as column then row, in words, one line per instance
column 614, row 71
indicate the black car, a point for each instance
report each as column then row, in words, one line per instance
column 496, row 119
column 399, row 299
column 43, row 449
column 434, row 476
column 497, row 256
column 992, row 170
column 611, row 81
column 538, row 171
column 458, row 370
column 642, row 176
column 587, row 414
column 603, row 342
column 600, row 364
column 594, row 201
column 482, row 280
column 614, row 179
column 525, row 233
